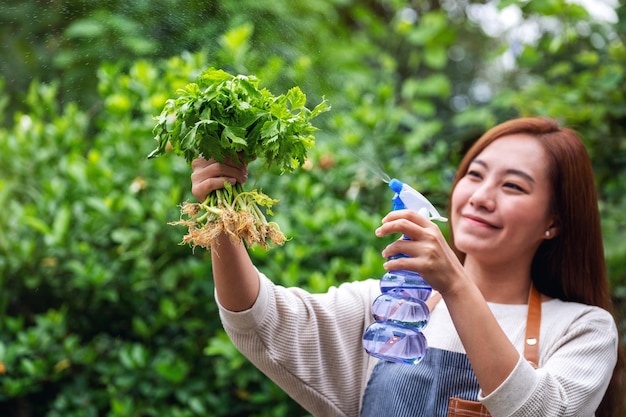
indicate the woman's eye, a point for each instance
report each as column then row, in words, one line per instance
column 475, row 174
column 514, row 186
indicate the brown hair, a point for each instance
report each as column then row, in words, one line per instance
column 571, row 265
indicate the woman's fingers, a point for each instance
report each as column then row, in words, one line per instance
column 209, row 175
column 405, row 222
column 425, row 247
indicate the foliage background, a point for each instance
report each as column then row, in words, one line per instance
column 103, row 314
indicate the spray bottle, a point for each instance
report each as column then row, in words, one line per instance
column 400, row 312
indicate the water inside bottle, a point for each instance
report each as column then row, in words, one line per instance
column 403, row 311
column 394, row 343
column 406, row 284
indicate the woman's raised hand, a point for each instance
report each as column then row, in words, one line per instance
column 209, row 175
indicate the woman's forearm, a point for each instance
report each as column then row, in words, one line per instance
column 492, row 355
column 236, row 278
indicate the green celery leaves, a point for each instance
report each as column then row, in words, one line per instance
column 227, row 117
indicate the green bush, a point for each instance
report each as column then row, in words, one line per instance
column 103, row 313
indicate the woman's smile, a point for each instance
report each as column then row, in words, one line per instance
column 478, row 221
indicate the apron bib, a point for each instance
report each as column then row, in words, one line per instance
column 400, row 390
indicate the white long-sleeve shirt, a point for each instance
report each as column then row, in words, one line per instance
column 310, row 345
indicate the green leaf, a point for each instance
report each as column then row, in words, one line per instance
column 232, row 136
column 172, row 368
column 436, row 56
column 37, row 224
column 296, row 98
column 61, row 224
column 270, row 129
column 168, row 308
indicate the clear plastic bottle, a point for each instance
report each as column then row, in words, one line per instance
column 400, row 312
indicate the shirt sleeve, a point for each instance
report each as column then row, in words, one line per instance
column 573, row 374
column 309, row 344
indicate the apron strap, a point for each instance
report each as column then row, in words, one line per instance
column 533, row 323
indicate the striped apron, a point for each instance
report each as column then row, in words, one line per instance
column 424, row 389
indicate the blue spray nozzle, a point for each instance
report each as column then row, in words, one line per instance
column 396, row 185
column 409, row 198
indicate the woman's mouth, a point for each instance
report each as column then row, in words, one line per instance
column 478, row 221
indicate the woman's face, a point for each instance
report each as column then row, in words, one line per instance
column 500, row 207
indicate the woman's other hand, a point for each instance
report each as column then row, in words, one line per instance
column 428, row 251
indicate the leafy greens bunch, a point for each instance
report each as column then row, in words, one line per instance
column 227, row 117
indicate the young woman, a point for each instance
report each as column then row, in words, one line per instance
column 525, row 225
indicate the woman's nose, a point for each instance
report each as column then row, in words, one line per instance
column 483, row 197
